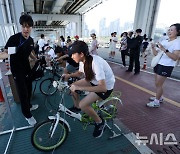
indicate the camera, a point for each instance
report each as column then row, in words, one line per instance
column 157, row 45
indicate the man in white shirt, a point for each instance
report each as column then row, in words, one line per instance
column 41, row 43
column 50, row 51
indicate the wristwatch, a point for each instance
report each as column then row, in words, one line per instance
column 166, row 51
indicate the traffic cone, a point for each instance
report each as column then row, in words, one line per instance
column 7, row 64
column 1, row 96
column 145, row 63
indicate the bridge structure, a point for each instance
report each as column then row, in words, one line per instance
column 52, row 16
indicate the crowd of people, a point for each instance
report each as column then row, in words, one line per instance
column 79, row 60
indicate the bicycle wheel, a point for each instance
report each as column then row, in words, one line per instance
column 46, row 87
column 41, row 136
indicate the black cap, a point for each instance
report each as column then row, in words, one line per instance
column 78, row 47
column 93, row 34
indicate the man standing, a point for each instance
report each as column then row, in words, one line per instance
column 41, row 43
column 134, row 45
column 20, row 47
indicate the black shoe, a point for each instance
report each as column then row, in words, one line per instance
column 99, row 129
column 136, row 73
column 128, row 71
column 74, row 109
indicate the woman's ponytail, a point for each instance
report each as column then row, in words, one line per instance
column 88, row 68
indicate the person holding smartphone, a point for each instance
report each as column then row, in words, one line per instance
column 164, row 68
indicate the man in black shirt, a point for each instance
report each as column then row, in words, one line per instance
column 20, row 47
column 134, row 45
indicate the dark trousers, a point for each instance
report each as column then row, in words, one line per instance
column 24, row 89
column 134, row 58
column 123, row 56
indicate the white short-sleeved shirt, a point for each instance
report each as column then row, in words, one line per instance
column 113, row 44
column 171, row 46
column 52, row 53
column 102, row 71
column 62, row 44
column 41, row 43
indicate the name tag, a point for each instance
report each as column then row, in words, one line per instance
column 11, row 50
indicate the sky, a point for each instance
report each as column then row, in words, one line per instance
column 125, row 10
column 112, row 10
column 168, row 12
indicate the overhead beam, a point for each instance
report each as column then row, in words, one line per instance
column 47, row 27
column 56, row 17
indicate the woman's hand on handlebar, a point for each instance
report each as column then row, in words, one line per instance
column 75, row 88
column 66, row 77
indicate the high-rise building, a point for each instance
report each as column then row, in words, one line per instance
column 115, row 26
column 102, row 27
column 85, row 30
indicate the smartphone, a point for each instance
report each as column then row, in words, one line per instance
column 157, row 45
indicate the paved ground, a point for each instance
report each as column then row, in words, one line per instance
column 136, row 90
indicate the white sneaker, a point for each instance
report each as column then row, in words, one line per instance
column 153, row 104
column 34, row 107
column 153, row 98
column 31, row 121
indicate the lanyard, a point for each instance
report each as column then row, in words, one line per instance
column 21, row 41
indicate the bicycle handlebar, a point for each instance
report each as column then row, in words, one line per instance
column 78, row 91
column 61, row 85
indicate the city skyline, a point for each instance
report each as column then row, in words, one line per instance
column 116, row 9
column 111, row 10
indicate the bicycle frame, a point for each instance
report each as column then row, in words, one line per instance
column 66, row 111
column 58, row 118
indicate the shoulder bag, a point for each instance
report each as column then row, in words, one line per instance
column 156, row 59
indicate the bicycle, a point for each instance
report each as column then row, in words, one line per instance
column 46, row 86
column 52, row 133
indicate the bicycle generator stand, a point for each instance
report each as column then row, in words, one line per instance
column 10, row 114
column 114, row 134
